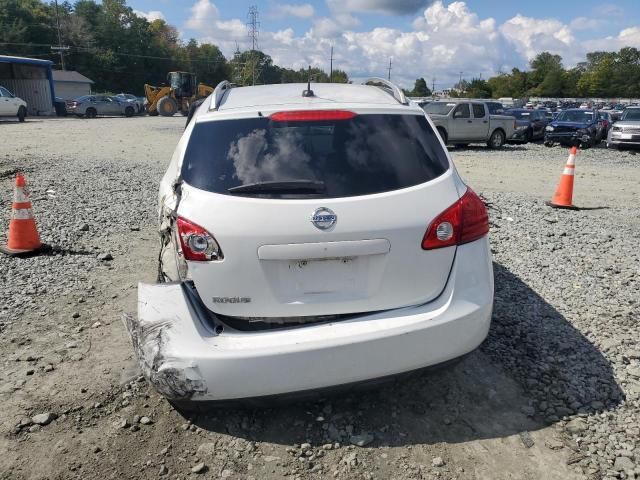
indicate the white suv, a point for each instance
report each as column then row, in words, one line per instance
column 310, row 239
column 12, row 106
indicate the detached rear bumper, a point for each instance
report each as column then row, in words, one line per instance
column 184, row 358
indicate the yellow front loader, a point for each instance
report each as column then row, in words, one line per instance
column 182, row 90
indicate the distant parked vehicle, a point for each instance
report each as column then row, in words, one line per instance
column 626, row 131
column 12, row 106
column 495, row 108
column 463, row 122
column 530, row 124
column 91, row 106
column 129, row 97
column 575, row 127
column 607, row 120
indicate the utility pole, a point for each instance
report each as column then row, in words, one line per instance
column 460, row 81
column 331, row 66
column 59, row 48
column 433, row 85
column 389, row 70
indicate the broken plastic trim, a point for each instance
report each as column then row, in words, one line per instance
column 175, row 378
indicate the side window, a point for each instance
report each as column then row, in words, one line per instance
column 478, row 110
column 462, row 111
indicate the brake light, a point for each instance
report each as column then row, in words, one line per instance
column 463, row 222
column 197, row 244
column 311, row 115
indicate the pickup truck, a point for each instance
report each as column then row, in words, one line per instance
column 460, row 122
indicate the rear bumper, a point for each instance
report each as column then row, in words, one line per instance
column 185, row 359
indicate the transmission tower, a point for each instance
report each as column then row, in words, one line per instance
column 253, row 26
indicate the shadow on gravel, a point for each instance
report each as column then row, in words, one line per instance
column 533, row 369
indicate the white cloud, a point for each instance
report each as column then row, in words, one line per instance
column 391, row 7
column 585, row 23
column 289, row 10
column 629, row 37
column 151, row 15
column 531, row 35
column 444, row 40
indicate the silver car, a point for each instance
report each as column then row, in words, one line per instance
column 137, row 102
column 91, row 106
column 626, row 131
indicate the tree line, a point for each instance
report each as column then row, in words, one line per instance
column 121, row 51
column 602, row 75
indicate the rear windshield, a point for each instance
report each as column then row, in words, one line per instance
column 362, row 155
column 631, row 114
column 579, row 116
column 439, row 108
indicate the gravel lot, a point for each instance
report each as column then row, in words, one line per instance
column 553, row 393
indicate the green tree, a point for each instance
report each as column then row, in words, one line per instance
column 420, row 88
column 478, row 88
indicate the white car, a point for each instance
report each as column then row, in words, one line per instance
column 310, row 239
column 12, row 106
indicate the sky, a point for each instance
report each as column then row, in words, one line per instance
column 434, row 39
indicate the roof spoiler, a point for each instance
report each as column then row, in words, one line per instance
column 391, row 88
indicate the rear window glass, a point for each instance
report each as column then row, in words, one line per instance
column 439, row 108
column 362, row 155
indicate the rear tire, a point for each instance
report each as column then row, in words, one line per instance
column 91, row 112
column 496, row 140
column 167, row 107
column 22, row 114
column 129, row 112
column 548, row 144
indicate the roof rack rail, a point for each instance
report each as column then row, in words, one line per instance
column 218, row 93
column 389, row 87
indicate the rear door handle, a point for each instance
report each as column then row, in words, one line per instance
column 469, row 121
column 485, row 121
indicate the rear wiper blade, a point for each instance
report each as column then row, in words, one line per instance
column 287, row 186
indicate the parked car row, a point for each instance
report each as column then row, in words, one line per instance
column 90, row 106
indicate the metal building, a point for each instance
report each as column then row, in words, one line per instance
column 69, row 84
column 31, row 80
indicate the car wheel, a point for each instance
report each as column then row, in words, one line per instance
column 496, row 140
column 548, row 144
column 461, row 145
column 613, row 146
column 129, row 112
column 167, row 106
column 22, row 114
column 91, row 112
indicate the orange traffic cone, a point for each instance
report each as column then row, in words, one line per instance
column 23, row 234
column 564, row 192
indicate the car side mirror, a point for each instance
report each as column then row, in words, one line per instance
column 457, row 114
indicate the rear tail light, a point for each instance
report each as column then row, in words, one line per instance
column 197, row 244
column 463, row 222
column 311, row 115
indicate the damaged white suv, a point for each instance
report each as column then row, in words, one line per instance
column 310, row 239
